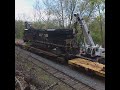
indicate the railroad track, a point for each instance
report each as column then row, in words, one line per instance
column 62, row 76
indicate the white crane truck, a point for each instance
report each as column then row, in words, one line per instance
column 89, row 48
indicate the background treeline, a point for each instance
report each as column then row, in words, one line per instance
column 59, row 14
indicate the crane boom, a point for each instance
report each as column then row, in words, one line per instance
column 84, row 27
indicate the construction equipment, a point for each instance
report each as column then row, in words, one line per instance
column 89, row 49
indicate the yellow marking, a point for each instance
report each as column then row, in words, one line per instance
column 88, row 65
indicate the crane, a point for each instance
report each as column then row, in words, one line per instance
column 90, row 49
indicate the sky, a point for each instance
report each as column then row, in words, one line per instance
column 24, row 8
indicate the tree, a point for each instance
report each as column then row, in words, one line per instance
column 100, row 20
column 69, row 10
column 19, row 29
column 38, row 11
column 93, row 13
column 56, row 8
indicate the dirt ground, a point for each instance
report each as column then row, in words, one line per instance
column 32, row 77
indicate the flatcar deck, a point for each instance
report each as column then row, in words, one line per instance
column 97, row 68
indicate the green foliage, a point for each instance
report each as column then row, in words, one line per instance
column 45, row 25
column 19, row 29
column 95, row 29
column 38, row 25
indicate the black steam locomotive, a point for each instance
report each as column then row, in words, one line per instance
column 58, row 41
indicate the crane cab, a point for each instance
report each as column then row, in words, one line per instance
column 95, row 51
